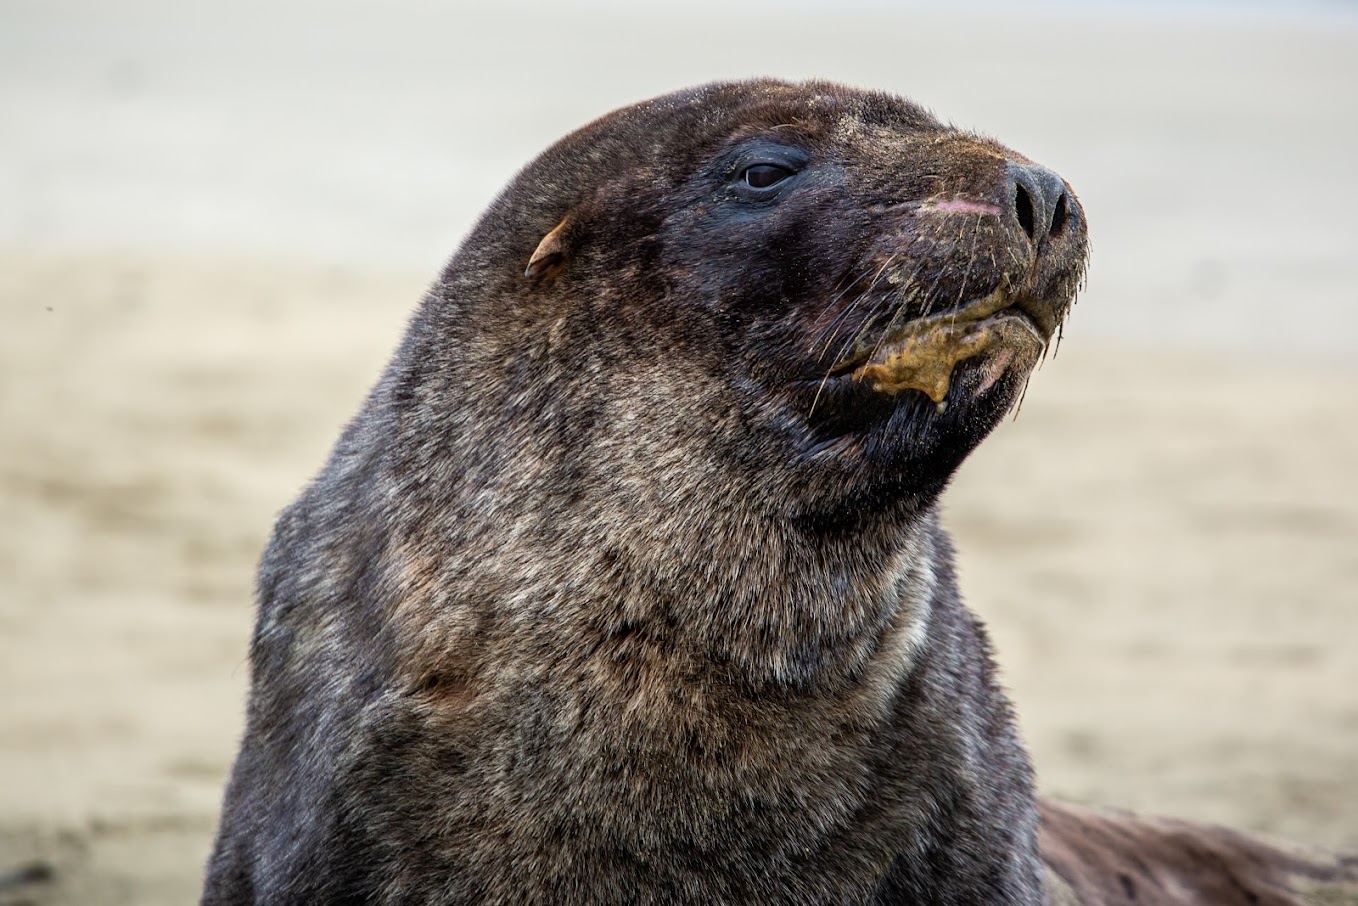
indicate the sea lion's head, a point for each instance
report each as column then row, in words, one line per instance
column 822, row 285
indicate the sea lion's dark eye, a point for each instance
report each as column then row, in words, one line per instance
column 765, row 176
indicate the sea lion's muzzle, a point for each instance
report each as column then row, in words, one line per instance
column 1023, row 235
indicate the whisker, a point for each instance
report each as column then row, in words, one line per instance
column 966, row 274
column 840, row 320
column 877, row 306
column 901, row 299
column 863, row 328
column 834, row 325
column 930, row 297
column 894, row 257
column 857, row 334
column 1023, row 396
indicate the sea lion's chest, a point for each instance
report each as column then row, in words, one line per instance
column 552, row 786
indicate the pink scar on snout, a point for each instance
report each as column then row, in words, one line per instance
column 962, row 206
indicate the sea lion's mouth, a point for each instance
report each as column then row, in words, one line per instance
column 922, row 354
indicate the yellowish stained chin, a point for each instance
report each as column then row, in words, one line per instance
column 925, row 358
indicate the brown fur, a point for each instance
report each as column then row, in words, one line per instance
column 1107, row 858
column 621, row 588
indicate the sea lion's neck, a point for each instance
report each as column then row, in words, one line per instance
column 816, row 612
column 680, row 680
column 770, row 600
column 676, row 649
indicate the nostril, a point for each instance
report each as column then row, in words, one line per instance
column 1042, row 204
column 1023, row 206
column 1058, row 216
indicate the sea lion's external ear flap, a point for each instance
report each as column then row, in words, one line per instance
column 550, row 255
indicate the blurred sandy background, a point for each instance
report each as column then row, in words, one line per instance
column 214, row 220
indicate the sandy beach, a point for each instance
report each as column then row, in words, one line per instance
column 214, row 230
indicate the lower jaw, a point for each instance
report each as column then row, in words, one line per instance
column 925, row 359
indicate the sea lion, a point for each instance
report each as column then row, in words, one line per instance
column 627, row 583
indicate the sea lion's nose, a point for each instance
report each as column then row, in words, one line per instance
column 1040, row 201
